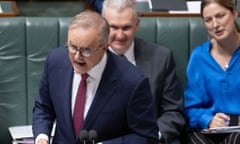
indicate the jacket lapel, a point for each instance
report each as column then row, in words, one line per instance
column 104, row 92
column 142, row 61
column 65, row 80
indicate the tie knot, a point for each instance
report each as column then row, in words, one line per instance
column 84, row 76
column 122, row 55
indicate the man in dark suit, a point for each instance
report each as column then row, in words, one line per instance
column 155, row 61
column 96, row 4
column 118, row 102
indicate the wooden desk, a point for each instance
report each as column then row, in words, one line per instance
column 9, row 9
column 144, row 11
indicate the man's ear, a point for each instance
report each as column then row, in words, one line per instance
column 235, row 12
column 137, row 23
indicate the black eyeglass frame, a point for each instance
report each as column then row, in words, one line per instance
column 86, row 52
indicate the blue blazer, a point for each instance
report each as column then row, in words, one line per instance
column 122, row 110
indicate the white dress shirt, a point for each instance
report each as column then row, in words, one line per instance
column 95, row 75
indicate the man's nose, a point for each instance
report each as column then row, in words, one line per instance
column 120, row 33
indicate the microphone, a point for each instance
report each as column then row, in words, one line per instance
column 84, row 136
column 93, row 136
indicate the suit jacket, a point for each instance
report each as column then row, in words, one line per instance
column 96, row 4
column 122, row 110
column 157, row 63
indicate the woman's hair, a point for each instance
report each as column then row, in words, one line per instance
column 228, row 4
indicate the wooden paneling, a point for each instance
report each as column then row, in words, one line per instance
column 9, row 9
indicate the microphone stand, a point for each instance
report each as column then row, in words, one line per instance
column 84, row 136
column 93, row 136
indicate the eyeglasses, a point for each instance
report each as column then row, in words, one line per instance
column 86, row 52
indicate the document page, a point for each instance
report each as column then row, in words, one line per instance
column 0, row 8
column 22, row 134
column 19, row 132
column 229, row 129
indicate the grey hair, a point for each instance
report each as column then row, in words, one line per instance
column 90, row 19
column 119, row 5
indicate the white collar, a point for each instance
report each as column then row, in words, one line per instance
column 129, row 54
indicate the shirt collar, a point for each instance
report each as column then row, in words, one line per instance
column 97, row 71
column 129, row 54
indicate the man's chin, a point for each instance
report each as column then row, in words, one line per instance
column 80, row 69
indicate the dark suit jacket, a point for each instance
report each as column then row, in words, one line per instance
column 157, row 63
column 122, row 109
column 96, row 4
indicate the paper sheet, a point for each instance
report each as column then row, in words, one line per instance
column 19, row 132
column 228, row 129
column 24, row 132
column 1, row 9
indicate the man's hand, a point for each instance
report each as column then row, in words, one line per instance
column 42, row 141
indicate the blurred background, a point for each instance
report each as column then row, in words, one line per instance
column 50, row 7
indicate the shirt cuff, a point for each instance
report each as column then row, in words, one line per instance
column 159, row 135
column 41, row 136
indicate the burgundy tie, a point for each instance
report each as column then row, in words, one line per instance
column 78, row 113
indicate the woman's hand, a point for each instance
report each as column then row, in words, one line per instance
column 219, row 120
